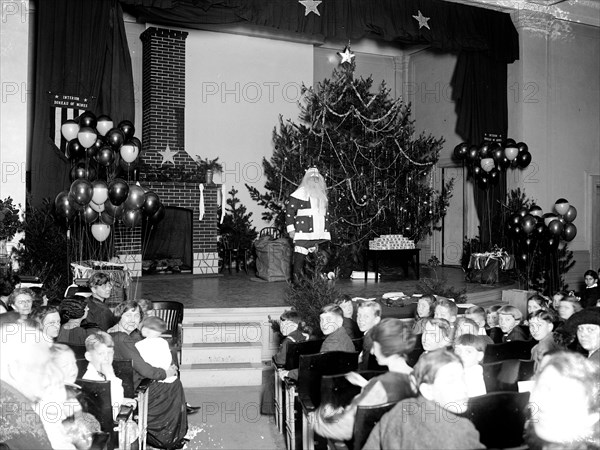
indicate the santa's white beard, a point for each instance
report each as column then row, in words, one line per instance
column 317, row 195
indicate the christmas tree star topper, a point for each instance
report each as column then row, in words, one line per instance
column 422, row 20
column 346, row 55
column 311, row 6
column 167, row 155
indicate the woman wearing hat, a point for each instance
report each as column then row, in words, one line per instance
column 586, row 325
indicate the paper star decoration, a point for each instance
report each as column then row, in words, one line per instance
column 167, row 155
column 422, row 20
column 311, row 6
column 346, row 55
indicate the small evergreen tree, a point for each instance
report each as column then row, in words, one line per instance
column 237, row 226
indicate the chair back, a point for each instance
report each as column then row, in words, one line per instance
column 82, row 365
column 295, row 349
column 358, row 344
column 270, row 231
column 99, row 403
column 508, row 350
column 172, row 313
column 124, row 370
column 365, row 420
column 79, row 350
column 499, row 417
column 313, row 367
column 505, row 375
column 336, row 390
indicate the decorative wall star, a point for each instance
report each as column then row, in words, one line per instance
column 311, row 6
column 167, row 155
column 422, row 20
column 346, row 55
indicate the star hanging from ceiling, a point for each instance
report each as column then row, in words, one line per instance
column 167, row 155
column 422, row 20
column 346, row 55
column 311, row 6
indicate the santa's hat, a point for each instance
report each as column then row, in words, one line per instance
column 313, row 172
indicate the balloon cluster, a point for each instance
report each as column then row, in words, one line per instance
column 488, row 160
column 102, row 202
column 530, row 227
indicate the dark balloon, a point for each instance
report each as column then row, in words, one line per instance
column 504, row 163
column 477, row 171
column 515, row 219
column 483, row 181
column 87, row 119
column 115, row 138
column 78, row 207
column 551, row 243
column 106, row 156
column 135, row 141
column 94, row 149
column 106, row 218
column 63, row 205
column 522, row 146
column 131, row 217
column 78, row 172
column 484, row 150
column 151, row 204
column 528, row 223
column 460, row 151
column 571, row 214
column 522, row 212
column 510, row 143
column 555, row 228
column 118, row 190
column 75, row 149
column 81, row 191
column 517, row 232
column 523, row 159
column 535, row 210
column 540, row 230
column 497, row 153
column 569, row 232
column 523, row 257
column 135, row 199
column 89, row 215
column 113, row 210
column 514, row 163
column 528, row 243
column 472, row 154
column 494, row 176
column 158, row 215
column 127, row 128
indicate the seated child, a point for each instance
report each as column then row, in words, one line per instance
column 99, row 351
column 477, row 315
column 445, row 309
column 154, row 349
column 146, row 306
column 535, row 303
column 541, row 325
column 424, row 311
column 468, row 326
column 392, row 341
column 345, row 302
column 437, row 334
column 431, row 420
column 470, row 349
column 509, row 319
column 331, row 320
column 368, row 315
column 493, row 328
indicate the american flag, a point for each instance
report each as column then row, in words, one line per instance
column 62, row 108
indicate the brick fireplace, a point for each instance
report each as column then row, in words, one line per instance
column 163, row 100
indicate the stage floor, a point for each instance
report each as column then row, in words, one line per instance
column 238, row 290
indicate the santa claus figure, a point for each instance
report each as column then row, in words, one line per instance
column 307, row 219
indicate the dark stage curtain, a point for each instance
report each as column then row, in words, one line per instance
column 479, row 90
column 81, row 51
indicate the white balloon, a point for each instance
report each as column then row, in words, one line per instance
column 104, row 125
column 511, row 152
column 129, row 153
column 87, row 137
column 487, row 164
column 100, row 193
column 69, row 130
column 100, row 231
column 96, row 207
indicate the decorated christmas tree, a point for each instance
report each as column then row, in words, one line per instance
column 379, row 175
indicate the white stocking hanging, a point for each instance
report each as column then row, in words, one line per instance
column 201, row 186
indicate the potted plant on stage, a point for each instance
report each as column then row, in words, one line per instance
column 10, row 224
column 210, row 167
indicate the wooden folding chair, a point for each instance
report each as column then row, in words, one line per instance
column 365, row 420
column 508, row 350
column 505, row 375
column 172, row 313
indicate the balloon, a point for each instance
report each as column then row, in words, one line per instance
column 528, row 243
column 100, row 192
column 510, row 143
column 135, row 141
column 104, row 124
column 561, row 206
column 511, row 152
column 87, row 119
column 75, row 149
column 118, row 190
column 127, row 128
column 151, row 203
column 549, row 217
column 135, row 199
column 483, row 182
column 76, row 206
column 523, row 159
column 504, row 163
column 115, row 138
column 96, row 207
column 528, row 223
column 473, row 153
column 78, row 172
column 497, row 153
column 69, row 129
column 484, row 150
column 89, row 214
column 555, row 227
column 569, row 232
column 517, row 231
column 129, row 153
column 131, row 217
column 158, row 215
column 63, row 205
column 523, row 257
column 100, row 231
column 477, row 171
column 115, row 211
column 515, row 219
column 522, row 146
column 540, row 230
column 571, row 214
column 86, row 136
column 461, row 150
column 552, row 243
column 522, row 212
column 81, row 191
column 487, row 164
column 100, row 142
column 106, row 218
column 535, row 210
column 494, row 176
column 105, row 156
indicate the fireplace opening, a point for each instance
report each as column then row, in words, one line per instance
column 167, row 246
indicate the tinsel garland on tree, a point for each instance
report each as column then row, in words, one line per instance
column 380, row 177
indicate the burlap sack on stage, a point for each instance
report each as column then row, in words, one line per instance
column 273, row 258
